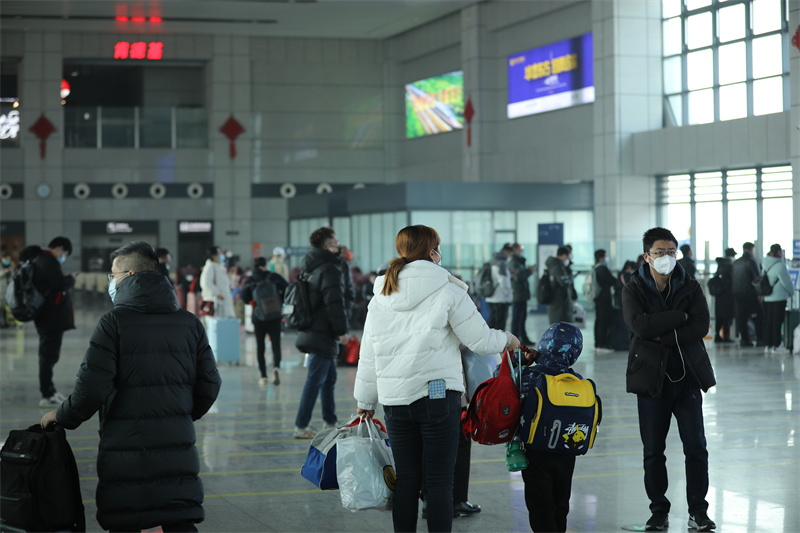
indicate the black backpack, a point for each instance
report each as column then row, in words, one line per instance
column 485, row 285
column 39, row 485
column 762, row 285
column 716, row 286
column 22, row 296
column 545, row 292
column 268, row 301
column 297, row 312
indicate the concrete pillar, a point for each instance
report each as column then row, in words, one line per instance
column 627, row 49
column 794, row 116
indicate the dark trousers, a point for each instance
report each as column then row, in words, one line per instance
column 49, row 352
column 424, row 434
column 746, row 308
column 773, row 319
column 602, row 323
column 548, row 484
column 273, row 329
column 461, row 474
column 498, row 315
column 685, row 401
column 519, row 312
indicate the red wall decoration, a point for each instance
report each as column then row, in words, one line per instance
column 232, row 129
column 42, row 128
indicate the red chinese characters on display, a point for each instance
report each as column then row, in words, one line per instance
column 139, row 50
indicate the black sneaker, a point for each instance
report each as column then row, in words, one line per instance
column 701, row 522
column 658, row 522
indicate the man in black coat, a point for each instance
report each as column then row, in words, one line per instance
column 746, row 301
column 520, row 292
column 602, row 281
column 328, row 330
column 150, row 372
column 57, row 315
column 723, row 302
column 667, row 315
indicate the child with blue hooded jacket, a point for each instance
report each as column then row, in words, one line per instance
column 548, row 477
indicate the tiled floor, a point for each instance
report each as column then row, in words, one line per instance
column 251, row 463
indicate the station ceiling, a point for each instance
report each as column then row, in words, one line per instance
column 346, row 19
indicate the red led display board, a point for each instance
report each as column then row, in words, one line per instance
column 139, row 50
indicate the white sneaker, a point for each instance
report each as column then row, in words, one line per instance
column 780, row 350
column 603, row 350
column 60, row 397
column 325, row 425
column 262, row 382
column 304, row 433
column 49, row 402
column 276, row 376
column 767, row 349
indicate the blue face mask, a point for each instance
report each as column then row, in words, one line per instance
column 6, row 263
column 112, row 287
column 62, row 259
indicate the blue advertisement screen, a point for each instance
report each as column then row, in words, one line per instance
column 551, row 77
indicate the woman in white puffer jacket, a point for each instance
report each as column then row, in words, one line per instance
column 410, row 362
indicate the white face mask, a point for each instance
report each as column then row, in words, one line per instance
column 664, row 264
column 566, row 262
column 112, row 287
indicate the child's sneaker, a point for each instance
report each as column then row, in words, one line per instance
column 304, row 433
column 658, row 522
column 701, row 522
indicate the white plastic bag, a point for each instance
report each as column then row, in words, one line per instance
column 477, row 369
column 796, row 339
column 365, row 470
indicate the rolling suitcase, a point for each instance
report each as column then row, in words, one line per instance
column 39, row 484
column 223, row 336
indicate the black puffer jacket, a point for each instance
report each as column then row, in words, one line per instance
column 744, row 270
column 659, row 331
column 326, row 289
column 57, row 314
column 520, row 289
column 150, row 373
column 724, row 302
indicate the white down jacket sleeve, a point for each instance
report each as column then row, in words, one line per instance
column 405, row 346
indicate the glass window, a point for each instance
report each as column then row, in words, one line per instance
column 708, row 187
column 701, row 106
column 767, row 56
column 155, row 127
column 80, row 127
column 698, row 31
column 679, row 220
column 708, row 229
column 700, row 69
column 776, row 230
column 675, row 107
column 733, row 101
column 732, row 63
column 672, row 75
column 672, row 37
column 118, row 127
column 768, row 96
column 741, row 184
column 670, row 8
column 766, row 16
column 732, row 23
column 742, row 222
column 691, row 5
column 191, row 125
column 721, row 37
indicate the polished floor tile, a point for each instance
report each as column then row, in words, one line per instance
column 251, row 463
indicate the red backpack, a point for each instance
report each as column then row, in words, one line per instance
column 494, row 410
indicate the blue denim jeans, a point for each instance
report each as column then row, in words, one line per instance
column 685, row 401
column 320, row 381
column 424, row 433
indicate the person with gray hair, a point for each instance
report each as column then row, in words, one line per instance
column 150, row 373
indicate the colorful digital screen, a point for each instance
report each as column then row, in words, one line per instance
column 435, row 105
column 553, row 76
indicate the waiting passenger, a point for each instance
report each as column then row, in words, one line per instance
column 521, row 292
column 775, row 303
column 276, row 263
column 687, row 262
column 502, row 297
column 215, row 285
column 560, row 309
column 667, row 314
column 150, row 372
column 328, row 330
column 411, row 363
column 57, row 315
